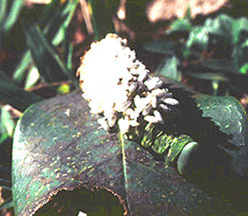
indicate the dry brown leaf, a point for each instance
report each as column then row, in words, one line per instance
column 167, row 9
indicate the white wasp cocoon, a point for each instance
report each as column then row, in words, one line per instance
column 171, row 101
column 156, row 118
column 158, row 92
column 104, row 124
column 142, row 75
column 165, row 108
column 123, row 125
column 153, row 82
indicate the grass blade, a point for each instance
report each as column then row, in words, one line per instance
column 69, row 56
column 32, row 77
column 57, row 18
column 19, row 73
column 13, row 14
column 17, row 97
column 7, row 126
column 3, row 76
column 7, row 204
column 101, row 21
column 3, row 10
column 65, row 14
column 45, row 57
column 5, row 181
column 54, row 24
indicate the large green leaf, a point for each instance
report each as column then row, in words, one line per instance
column 226, row 38
column 215, row 34
column 240, row 28
column 197, row 41
column 228, row 114
column 169, row 67
column 220, row 26
column 58, row 145
column 180, row 26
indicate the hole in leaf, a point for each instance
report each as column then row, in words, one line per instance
column 92, row 203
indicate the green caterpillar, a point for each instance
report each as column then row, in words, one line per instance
column 173, row 147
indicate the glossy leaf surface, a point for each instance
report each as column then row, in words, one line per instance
column 228, row 114
column 58, row 146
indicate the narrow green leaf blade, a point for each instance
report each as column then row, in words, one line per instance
column 45, row 57
column 165, row 47
column 13, row 15
column 102, row 22
column 22, row 66
column 7, row 204
column 56, row 19
column 220, row 65
column 17, row 97
column 69, row 56
column 3, row 76
column 6, row 125
column 32, row 77
column 65, row 19
column 3, row 10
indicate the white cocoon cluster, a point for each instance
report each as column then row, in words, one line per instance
column 119, row 87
